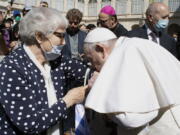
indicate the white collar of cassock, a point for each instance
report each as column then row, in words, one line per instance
column 138, row 77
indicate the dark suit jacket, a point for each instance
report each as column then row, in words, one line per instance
column 67, row 48
column 165, row 40
column 119, row 30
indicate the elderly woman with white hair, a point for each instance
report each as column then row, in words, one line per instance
column 34, row 77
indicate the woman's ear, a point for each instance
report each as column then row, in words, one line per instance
column 39, row 37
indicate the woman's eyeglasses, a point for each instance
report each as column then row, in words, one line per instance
column 59, row 34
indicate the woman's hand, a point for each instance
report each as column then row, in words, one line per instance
column 75, row 95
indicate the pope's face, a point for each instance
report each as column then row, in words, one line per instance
column 95, row 59
column 97, row 55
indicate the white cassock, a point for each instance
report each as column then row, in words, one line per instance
column 139, row 80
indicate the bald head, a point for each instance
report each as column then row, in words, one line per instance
column 156, row 7
column 157, row 16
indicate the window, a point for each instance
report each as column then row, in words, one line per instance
column 137, row 6
column 174, row 5
column 121, row 7
column 92, row 8
column 70, row 4
column 81, row 5
column 59, row 5
column 105, row 2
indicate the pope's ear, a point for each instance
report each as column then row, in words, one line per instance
column 100, row 48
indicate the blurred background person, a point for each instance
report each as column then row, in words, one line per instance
column 82, row 27
column 1, row 20
column 26, row 10
column 90, row 27
column 44, row 3
column 7, row 32
column 157, row 18
column 16, row 16
column 3, row 48
column 15, row 40
column 74, row 36
column 108, row 19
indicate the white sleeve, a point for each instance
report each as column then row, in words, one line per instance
column 134, row 120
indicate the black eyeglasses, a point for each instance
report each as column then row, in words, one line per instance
column 75, row 23
column 59, row 34
column 103, row 21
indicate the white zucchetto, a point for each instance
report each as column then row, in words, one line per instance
column 96, row 35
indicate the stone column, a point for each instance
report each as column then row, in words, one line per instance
column 65, row 6
column 146, row 4
column 113, row 3
column 86, row 7
column 75, row 3
column 53, row 4
column 99, row 5
column 128, row 7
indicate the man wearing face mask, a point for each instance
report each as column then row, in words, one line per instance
column 74, row 37
column 157, row 18
column 17, row 16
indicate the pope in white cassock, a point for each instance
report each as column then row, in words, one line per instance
column 138, row 85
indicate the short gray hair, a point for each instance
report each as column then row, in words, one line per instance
column 43, row 20
column 106, row 43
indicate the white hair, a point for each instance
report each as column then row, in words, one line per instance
column 43, row 20
column 108, row 43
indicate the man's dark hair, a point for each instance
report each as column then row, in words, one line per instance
column 90, row 26
column 74, row 14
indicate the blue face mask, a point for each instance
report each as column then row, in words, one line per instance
column 54, row 53
column 161, row 24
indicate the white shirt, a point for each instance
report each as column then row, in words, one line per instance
column 149, row 31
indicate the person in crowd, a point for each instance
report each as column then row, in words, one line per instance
column 82, row 27
column 26, row 9
column 8, row 12
column 15, row 40
column 7, row 32
column 3, row 48
column 44, row 4
column 33, row 82
column 140, row 92
column 1, row 20
column 90, row 27
column 108, row 19
column 178, row 44
column 157, row 18
column 74, row 36
column 16, row 16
